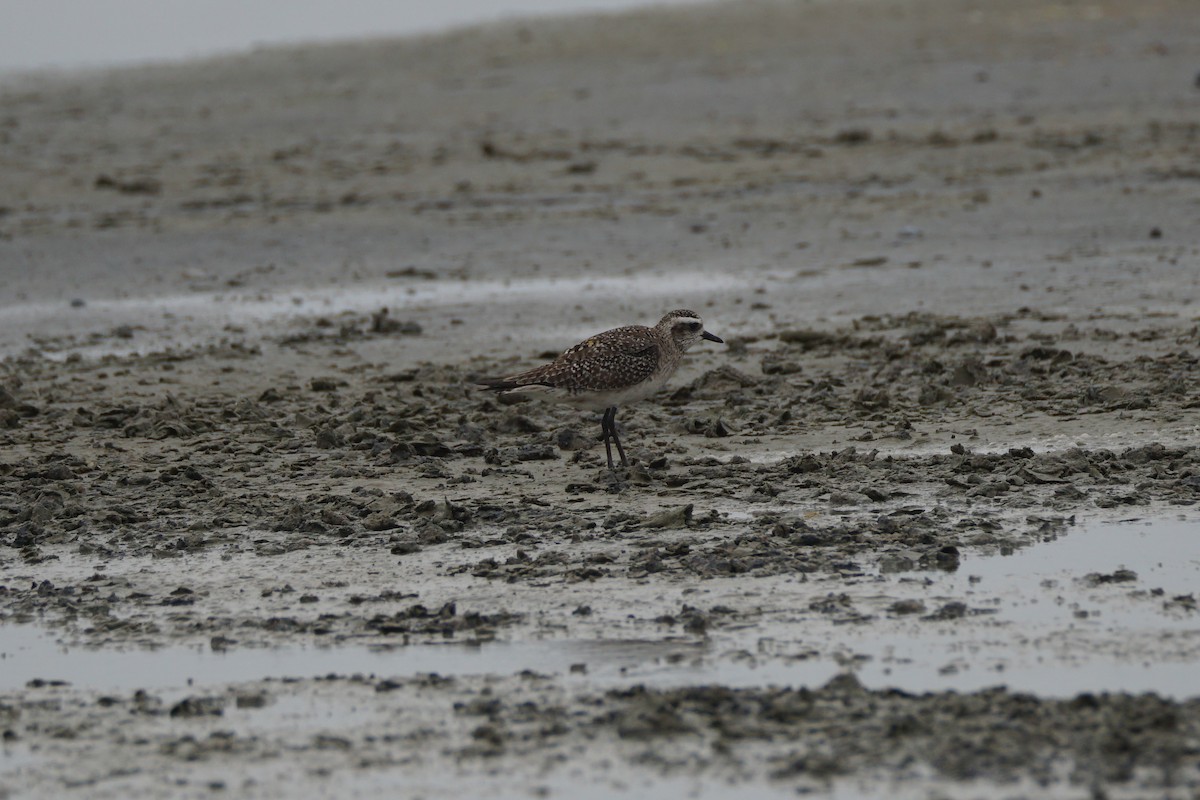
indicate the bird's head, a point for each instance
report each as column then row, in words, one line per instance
column 686, row 328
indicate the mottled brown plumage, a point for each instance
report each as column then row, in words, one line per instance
column 618, row 358
column 612, row 368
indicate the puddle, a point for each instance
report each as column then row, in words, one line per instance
column 1119, row 578
column 1036, row 621
column 28, row 652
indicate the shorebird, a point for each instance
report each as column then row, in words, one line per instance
column 611, row 369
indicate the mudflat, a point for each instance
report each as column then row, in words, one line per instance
column 926, row 523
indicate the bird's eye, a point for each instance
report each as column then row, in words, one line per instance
column 694, row 326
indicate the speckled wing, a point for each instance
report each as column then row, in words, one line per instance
column 609, row 361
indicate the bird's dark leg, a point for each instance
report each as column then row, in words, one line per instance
column 612, row 431
column 606, row 430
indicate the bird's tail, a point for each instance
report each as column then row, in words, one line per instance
column 497, row 384
column 515, row 383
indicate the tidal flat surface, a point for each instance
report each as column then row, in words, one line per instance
column 925, row 526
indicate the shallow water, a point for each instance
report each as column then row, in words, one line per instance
column 1036, row 623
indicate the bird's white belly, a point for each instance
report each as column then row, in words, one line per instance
column 598, row 401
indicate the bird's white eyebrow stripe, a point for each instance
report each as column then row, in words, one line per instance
column 686, row 319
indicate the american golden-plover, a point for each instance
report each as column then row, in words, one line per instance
column 611, row 369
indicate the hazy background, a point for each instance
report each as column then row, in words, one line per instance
column 88, row 33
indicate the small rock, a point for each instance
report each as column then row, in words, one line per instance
column 327, row 439
column 199, row 707
column 380, row 522
column 932, row 395
column 382, row 323
column 59, row 472
column 1119, row 576
column 430, row 448
column 844, row 683
column 536, row 452
column 907, row 607
column 951, row 610
column 251, row 700
column 680, row 517
column 571, row 439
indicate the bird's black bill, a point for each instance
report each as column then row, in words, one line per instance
column 712, row 337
